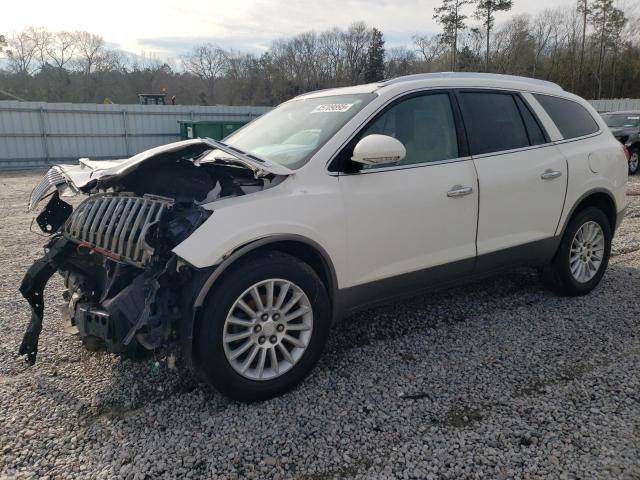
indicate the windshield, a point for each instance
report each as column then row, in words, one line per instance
column 622, row 120
column 291, row 133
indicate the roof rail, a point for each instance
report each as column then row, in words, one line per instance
column 469, row 75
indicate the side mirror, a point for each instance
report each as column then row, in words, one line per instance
column 378, row 150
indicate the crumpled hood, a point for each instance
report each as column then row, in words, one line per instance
column 89, row 173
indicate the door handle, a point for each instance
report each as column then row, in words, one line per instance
column 459, row 191
column 550, row 174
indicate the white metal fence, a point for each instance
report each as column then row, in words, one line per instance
column 616, row 104
column 36, row 134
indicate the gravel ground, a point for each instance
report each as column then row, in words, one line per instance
column 498, row 379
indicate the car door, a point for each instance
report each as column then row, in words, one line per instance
column 405, row 220
column 522, row 175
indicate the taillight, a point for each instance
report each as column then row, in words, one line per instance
column 627, row 153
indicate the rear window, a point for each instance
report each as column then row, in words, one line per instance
column 571, row 118
column 493, row 122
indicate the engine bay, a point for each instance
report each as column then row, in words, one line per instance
column 123, row 284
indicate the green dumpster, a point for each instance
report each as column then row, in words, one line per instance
column 207, row 128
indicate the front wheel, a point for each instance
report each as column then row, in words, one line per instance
column 263, row 327
column 583, row 255
column 634, row 161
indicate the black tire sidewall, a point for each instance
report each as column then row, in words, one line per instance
column 561, row 262
column 210, row 355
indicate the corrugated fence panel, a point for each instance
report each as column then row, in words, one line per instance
column 616, row 104
column 35, row 134
column 139, row 144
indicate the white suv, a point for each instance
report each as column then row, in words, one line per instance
column 243, row 253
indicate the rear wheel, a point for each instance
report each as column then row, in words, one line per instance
column 634, row 161
column 263, row 327
column 583, row 255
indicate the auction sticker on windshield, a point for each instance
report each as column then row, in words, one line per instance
column 332, row 107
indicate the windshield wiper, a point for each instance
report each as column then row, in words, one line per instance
column 236, row 152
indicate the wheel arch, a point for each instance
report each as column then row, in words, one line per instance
column 298, row 246
column 599, row 198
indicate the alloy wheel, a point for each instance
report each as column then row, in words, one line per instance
column 268, row 329
column 587, row 252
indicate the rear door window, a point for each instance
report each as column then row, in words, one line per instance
column 571, row 118
column 493, row 122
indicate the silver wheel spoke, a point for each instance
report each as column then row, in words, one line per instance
column 261, row 361
column 298, row 327
column 256, row 298
column 232, row 337
column 249, row 360
column 274, row 360
column 285, row 353
column 240, row 322
column 291, row 303
column 294, row 341
column 298, row 313
column 283, row 293
column 246, row 308
column 270, row 287
column 239, row 351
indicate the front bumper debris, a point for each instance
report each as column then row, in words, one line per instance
column 32, row 289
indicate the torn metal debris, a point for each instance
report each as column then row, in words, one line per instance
column 123, row 283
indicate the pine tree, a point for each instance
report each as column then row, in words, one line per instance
column 584, row 10
column 450, row 16
column 375, row 57
column 485, row 12
column 604, row 18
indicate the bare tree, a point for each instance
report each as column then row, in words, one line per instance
column 61, row 48
column 208, row 62
column 21, row 51
column 90, row 51
column 544, row 26
column 355, row 43
column 42, row 38
column 428, row 47
column 331, row 49
column 400, row 61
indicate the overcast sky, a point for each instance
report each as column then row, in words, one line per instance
column 166, row 28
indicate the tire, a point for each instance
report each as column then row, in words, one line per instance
column 558, row 275
column 634, row 160
column 214, row 350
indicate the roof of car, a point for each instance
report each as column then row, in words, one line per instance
column 488, row 77
column 457, row 79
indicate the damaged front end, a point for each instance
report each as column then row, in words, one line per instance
column 114, row 250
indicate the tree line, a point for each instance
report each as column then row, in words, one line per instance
column 591, row 48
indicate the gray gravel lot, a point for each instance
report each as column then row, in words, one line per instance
column 498, row 379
